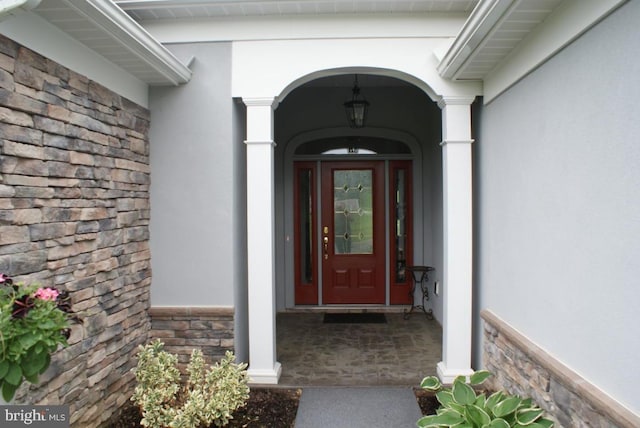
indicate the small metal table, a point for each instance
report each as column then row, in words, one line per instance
column 420, row 277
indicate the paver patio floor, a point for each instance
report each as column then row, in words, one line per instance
column 398, row 353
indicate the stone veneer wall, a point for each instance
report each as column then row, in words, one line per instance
column 183, row 329
column 74, row 213
column 521, row 367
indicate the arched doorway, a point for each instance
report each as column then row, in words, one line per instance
column 316, row 147
column 266, row 261
column 362, row 190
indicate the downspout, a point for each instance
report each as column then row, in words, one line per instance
column 9, row 6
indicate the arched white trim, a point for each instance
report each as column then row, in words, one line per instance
column 342, row 131
column 406, row 77
column 267, row 68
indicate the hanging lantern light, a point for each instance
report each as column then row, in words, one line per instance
column 356, row 108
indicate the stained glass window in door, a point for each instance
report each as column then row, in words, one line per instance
column 353, row 211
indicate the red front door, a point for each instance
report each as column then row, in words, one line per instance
column 352, row 232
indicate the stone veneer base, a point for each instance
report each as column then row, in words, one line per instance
column 184, row 328
column 521, row 367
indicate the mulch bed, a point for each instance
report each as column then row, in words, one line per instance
column 266, row 407
column 427, row 401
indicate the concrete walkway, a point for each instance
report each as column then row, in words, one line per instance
column 354, row 407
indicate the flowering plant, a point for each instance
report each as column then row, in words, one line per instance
column 34, row 320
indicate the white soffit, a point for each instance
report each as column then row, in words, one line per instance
column 490, row 34
column 175, row 21
column 150, row 10
column 496, row 29
column 106, row 29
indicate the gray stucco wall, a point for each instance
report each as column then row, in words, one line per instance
column 558, row 212
column 198, row 190
column 241, row 297
column 194, row 192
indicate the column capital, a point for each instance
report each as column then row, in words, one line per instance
column 260, row 112
column 261, row 102
column 447, row 100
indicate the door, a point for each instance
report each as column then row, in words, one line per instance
column 353, row 232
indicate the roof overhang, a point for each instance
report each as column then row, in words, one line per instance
column 492, row 31
column 9, row 6
column 496, row 29
column 105, row 28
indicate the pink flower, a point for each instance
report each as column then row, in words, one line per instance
column 3, row 277
column 46, row 293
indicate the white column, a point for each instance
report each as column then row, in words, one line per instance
column 263, row 367
column 457, row 239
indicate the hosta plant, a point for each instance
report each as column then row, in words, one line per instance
column 34, row 321
column 210, row 395
column 462, row 407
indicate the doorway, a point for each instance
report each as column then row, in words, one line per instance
column 353, row 232
column 279, row 265
column 353, row 251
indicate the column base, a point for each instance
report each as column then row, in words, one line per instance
column 265, row 376
column 447, row 376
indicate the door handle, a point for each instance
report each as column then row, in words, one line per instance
column 325, row 246
column 325, row 242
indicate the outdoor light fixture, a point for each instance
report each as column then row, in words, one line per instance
column 356, row 109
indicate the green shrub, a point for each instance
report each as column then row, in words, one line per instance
column 209, row 395
column 462, row 407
